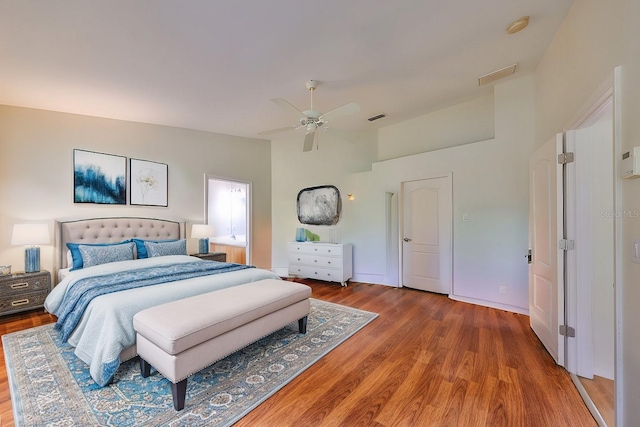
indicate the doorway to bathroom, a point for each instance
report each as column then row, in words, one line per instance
column 228, row 209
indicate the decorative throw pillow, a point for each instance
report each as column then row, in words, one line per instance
column 76, row 256
column 142, row 250
column 96, row 255
column 177, row 247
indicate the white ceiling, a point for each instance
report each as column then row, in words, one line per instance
column 215, row 65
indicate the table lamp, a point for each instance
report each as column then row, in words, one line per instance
column 30, row 235
column 202, row 232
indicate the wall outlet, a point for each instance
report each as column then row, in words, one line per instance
column 503, row 289
column 465, row 217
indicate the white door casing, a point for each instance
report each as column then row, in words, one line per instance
column 546, row 282
column 427, row 234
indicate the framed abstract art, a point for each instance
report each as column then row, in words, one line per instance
column 99, row 178
column 148, row 182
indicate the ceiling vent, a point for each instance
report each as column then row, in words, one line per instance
column 379, row 116
column 497, row 75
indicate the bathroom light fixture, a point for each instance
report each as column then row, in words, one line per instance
column 202, row 232
column 30, row 235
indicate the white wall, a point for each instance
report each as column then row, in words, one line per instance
column 490, row 181
column 292, row 170
column 595, row 37
column 459, row 124
column 36, row 172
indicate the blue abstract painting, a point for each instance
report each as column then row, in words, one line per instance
column 99, row 178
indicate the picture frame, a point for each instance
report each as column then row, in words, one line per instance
column 99, row 178
column 319, row 205
column 148, row 182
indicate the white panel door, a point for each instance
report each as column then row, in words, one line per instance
column 546, row 292
column 590, row 267
column 427, row 235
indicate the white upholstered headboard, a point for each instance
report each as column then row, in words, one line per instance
column 112, row 230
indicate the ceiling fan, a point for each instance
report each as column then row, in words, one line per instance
column 311, row 119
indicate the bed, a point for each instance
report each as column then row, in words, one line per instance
column 102, row 329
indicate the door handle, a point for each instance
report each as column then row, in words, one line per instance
column 406, row 239
column 528, row 257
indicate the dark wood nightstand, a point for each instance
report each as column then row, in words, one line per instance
column 23, row 291
column 213, row 256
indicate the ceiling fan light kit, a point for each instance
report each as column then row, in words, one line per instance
column 311, row 119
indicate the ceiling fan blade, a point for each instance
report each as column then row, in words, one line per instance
column 272, row 131
column 345, row 110
column 308, row 141
column 282, row 103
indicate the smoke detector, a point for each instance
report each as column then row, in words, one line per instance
column 518, row 25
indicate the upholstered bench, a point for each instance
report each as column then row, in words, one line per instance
column 180, row 338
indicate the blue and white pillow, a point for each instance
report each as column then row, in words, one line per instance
column 96, row 255
column 154, row 249
column 77, row 261
column 142, row 250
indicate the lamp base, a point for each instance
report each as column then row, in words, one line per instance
column 32, row 260
column 203, row 246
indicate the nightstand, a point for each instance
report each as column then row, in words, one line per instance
column 23, row 291
column 212, row 256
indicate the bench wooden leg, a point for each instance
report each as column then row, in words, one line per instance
column 145, row 368
column 179, row 392
column 302, row 325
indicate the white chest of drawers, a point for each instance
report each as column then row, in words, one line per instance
column 332, row 262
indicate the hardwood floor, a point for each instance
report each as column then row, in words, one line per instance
column 601, row 392
column 425, row 361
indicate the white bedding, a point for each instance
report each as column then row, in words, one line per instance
column 106, row 327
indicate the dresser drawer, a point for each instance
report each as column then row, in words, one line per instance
column 23, row 285
column 312, row 260
column 22, row 302
column 316, row 248
column 315, row 273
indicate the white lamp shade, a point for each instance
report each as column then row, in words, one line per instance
column 201, row 231
column 30, row 234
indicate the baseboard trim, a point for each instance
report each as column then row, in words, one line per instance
column 491, row 304
column 587, row 401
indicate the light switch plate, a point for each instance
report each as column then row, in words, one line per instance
column 635, row 250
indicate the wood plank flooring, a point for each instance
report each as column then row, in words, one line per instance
column 425, row 361
column 601, row 392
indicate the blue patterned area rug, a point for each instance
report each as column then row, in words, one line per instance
column 51, row 386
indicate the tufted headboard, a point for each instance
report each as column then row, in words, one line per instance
column 111, row 230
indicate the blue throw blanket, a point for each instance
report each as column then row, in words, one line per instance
column 83, row 291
